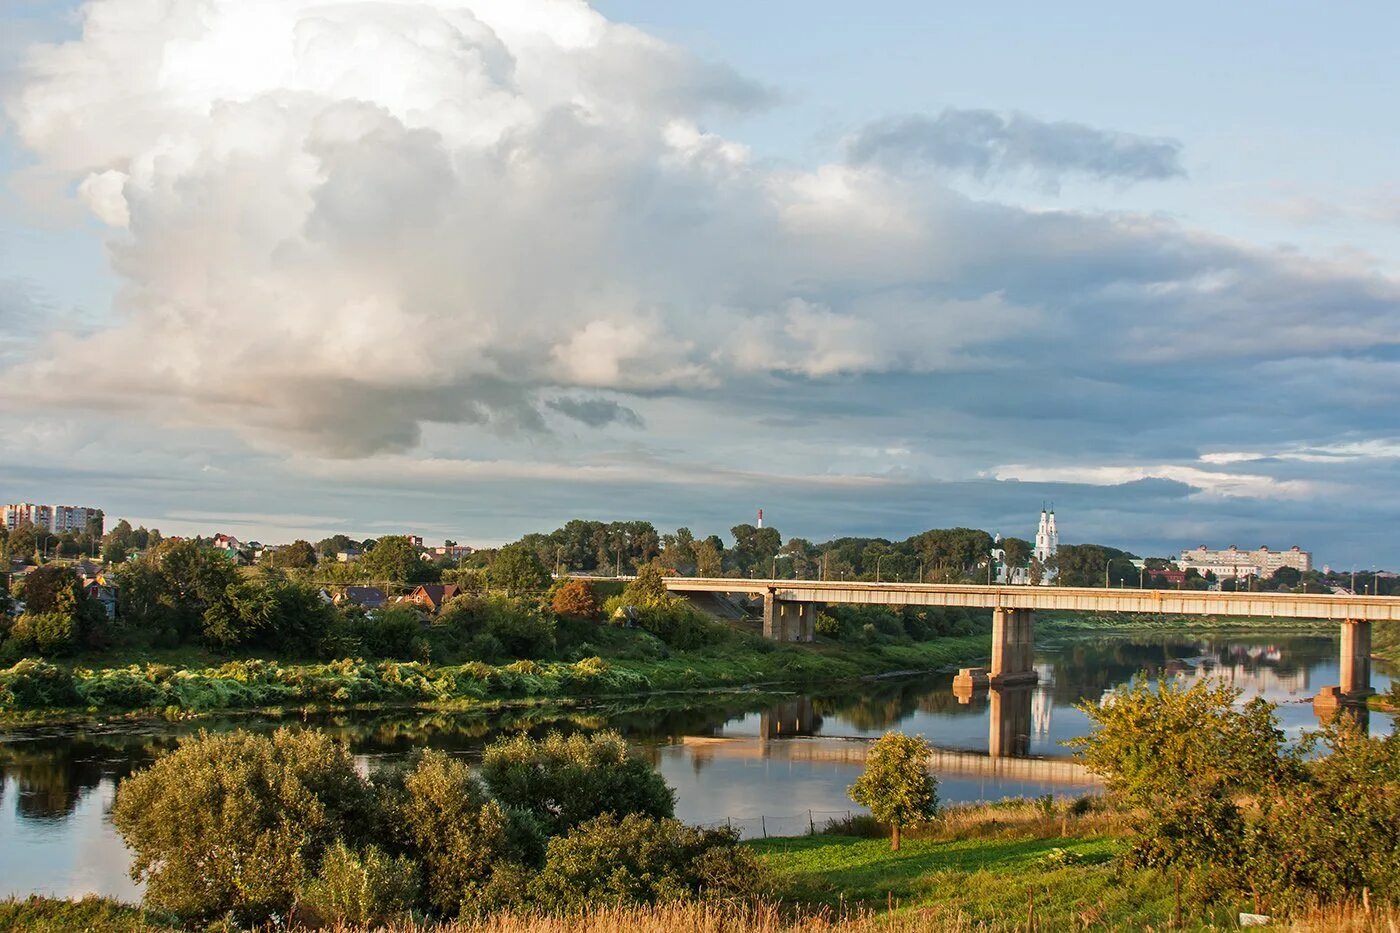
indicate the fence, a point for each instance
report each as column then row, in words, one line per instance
column 806, row 823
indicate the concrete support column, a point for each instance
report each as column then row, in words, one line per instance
column 788, row 621
column 1356, row 659
column 1013, row 647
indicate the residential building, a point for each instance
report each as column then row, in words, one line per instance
column 366, row 597
column 55, row 518
column 454, row 551
column 75, row 518
column 431, row 596
column 28, row 513
column 1235, row 563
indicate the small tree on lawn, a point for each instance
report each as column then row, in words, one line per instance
column 897, row 785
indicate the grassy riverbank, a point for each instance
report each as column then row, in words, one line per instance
column 981, row 868
column 1077, row 622
column 35, row 690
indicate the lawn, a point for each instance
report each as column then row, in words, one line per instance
column 1067, row 883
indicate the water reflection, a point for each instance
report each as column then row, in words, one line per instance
column 762, row 760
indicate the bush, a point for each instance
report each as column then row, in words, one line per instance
column 389, row 632
column 575, row 598
column 47, row 634
column 565, row 780
column 607, row 861
column 365, row 888
column 236, row 823
column 34, row 684
column 460, row 836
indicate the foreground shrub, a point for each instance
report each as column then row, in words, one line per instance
column 565, row 780
column 236, row 823
column 365, row 888
column 32, row 684
column 461, row 836
column 1238, row 810
column 607, row 861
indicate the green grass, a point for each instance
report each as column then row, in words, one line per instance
column 50, row 915
column 973, row 882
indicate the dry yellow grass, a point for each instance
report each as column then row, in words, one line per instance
column 711, row 918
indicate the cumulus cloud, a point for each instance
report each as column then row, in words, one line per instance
column 984, row 142
column 341, row 225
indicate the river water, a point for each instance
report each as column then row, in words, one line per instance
column 763, row 763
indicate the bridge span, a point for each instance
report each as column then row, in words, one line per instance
column 790, row 610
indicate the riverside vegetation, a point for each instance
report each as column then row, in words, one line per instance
column 206, row 636
column 1208, row 813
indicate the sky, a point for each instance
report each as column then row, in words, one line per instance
column 471, row 268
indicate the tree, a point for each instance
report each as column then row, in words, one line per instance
column 393, row 559
column 565, row 780
column 297, row 555
column 896, row 784
column 517, row 569
column 575, row 598
column 237, row 822
column 709, row 560
column 648, row 588
column 1017, row 552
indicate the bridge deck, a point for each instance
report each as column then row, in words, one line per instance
column 1074, row 599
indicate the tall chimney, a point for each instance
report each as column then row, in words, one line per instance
column 760, row 518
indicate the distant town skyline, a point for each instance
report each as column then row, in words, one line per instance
column 286, row 269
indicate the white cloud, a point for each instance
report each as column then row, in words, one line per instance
column 1206, row 482
column 1370, row 449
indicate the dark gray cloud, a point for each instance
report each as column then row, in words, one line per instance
column 984, row 142
column 595, row 412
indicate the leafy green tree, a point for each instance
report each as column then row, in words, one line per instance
column 896, row 784
column 298, row 555
column 709, row 559
column 393, row 559
column 517, row 569
column 51, row 588
column 648, row 588
column 565, row 780
column 174, row 584
column 236, row 823
column 1018, row 552
column 1154, row 743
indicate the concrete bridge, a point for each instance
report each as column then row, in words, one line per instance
column 790, row 611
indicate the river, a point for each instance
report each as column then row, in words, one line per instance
column 764, row 763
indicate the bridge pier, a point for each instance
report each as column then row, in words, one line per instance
column 1355, row 672
column 1013, row 647
column 784, row 620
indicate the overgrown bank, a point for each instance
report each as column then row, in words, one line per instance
column 35, row 688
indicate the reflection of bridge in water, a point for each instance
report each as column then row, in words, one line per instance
column 788, row 732
column 853, row 751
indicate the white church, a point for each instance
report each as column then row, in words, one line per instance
column 1047, row 545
